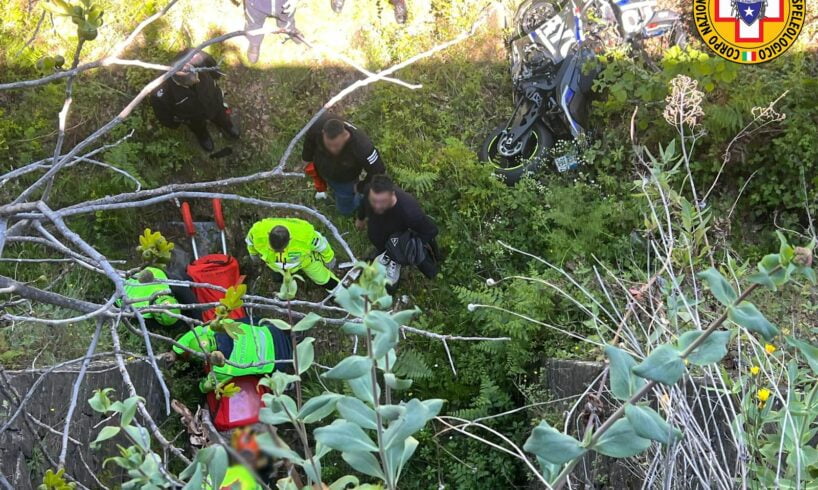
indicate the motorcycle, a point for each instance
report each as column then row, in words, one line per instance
column 548, row 53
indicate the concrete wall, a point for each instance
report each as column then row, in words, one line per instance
column 21, row 460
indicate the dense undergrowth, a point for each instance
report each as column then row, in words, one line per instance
column 581, row 221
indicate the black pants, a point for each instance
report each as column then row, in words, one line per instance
column 429, row 266
column 199, row 126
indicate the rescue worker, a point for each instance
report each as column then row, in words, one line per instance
column 293, row 245
column 340, row 152
column 192, row 98
column 140, row 293
column 253, row 345
column 399, row 6
column 256, row 13
column 400, row 231
column 238, row 476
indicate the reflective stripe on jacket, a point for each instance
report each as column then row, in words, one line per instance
column 305, row 244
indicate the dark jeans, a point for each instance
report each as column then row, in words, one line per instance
column 347, row 198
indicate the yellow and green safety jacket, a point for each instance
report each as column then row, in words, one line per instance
column 237, row 477
column 140, row 295
column 306, row 244
column 255, row 344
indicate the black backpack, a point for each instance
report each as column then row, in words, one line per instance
column 406, row 248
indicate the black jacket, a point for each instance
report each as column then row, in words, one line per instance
column 405, row 215
column 358, row 155
column 173, row 103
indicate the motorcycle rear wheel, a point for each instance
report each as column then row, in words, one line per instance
column 529, row 159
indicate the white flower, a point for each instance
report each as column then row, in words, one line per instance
column 471, row 307
column 490, row 282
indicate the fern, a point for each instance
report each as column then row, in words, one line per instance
column 490, row 397
column 412, row 365
column 415, row 180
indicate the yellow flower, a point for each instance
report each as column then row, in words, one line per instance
column 755, row 370
column 770, row 348
column 763, row 394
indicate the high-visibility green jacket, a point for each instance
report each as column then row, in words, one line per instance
column 255, row 344
column 306, row 244
column 140, row 295
column 237, row 477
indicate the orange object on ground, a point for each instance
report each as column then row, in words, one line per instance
column 319, row 183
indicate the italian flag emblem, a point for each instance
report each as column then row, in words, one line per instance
column 748, row 56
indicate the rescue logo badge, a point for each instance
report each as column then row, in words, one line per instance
column 749, row 31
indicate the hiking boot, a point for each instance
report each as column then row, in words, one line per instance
column 337, row 5
column 392, row 268
column 401, row 11
column 252, row 53
column 205, row 141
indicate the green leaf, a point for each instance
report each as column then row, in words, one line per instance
column 354, row 328
column 809, row 351
column 140, row 436
column 306, row 354
column 747, row 315
column 344, row 482
column 345, row 437
column 278, row 381
column 364, row 462
column 393, row 382
column 100, row 401
column 357, row 412
column 662, row 365
column 786, row 252
column 129, row 410
column 712, row 350
column 383, row 343
column 307, row 322
column 399, row 455
column 404, row 316
column 318, row 407
column 719, row 286
column 350, row 368
column 105, row 434
column 764, row 279
column 621, row 441
column 623, row 383
column 808, row 273
column 416, row 416
column 277, row 409
column 650, row 425
column 778, row 273
column 390, row 412
column 362, row 388
column 351, row 300
column 279, row 324
column 552, row 446
column 277, row 449
column 217, row 463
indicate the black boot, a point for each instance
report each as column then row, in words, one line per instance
column 337, row 5
column 401, row 11
column 202, row 135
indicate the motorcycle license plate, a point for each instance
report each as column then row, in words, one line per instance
column 565, row 163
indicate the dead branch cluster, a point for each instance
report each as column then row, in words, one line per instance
column 29, row 218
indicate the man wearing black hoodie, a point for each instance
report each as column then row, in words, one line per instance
column 341, row 152
column 191, row 97
column 400, row 231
